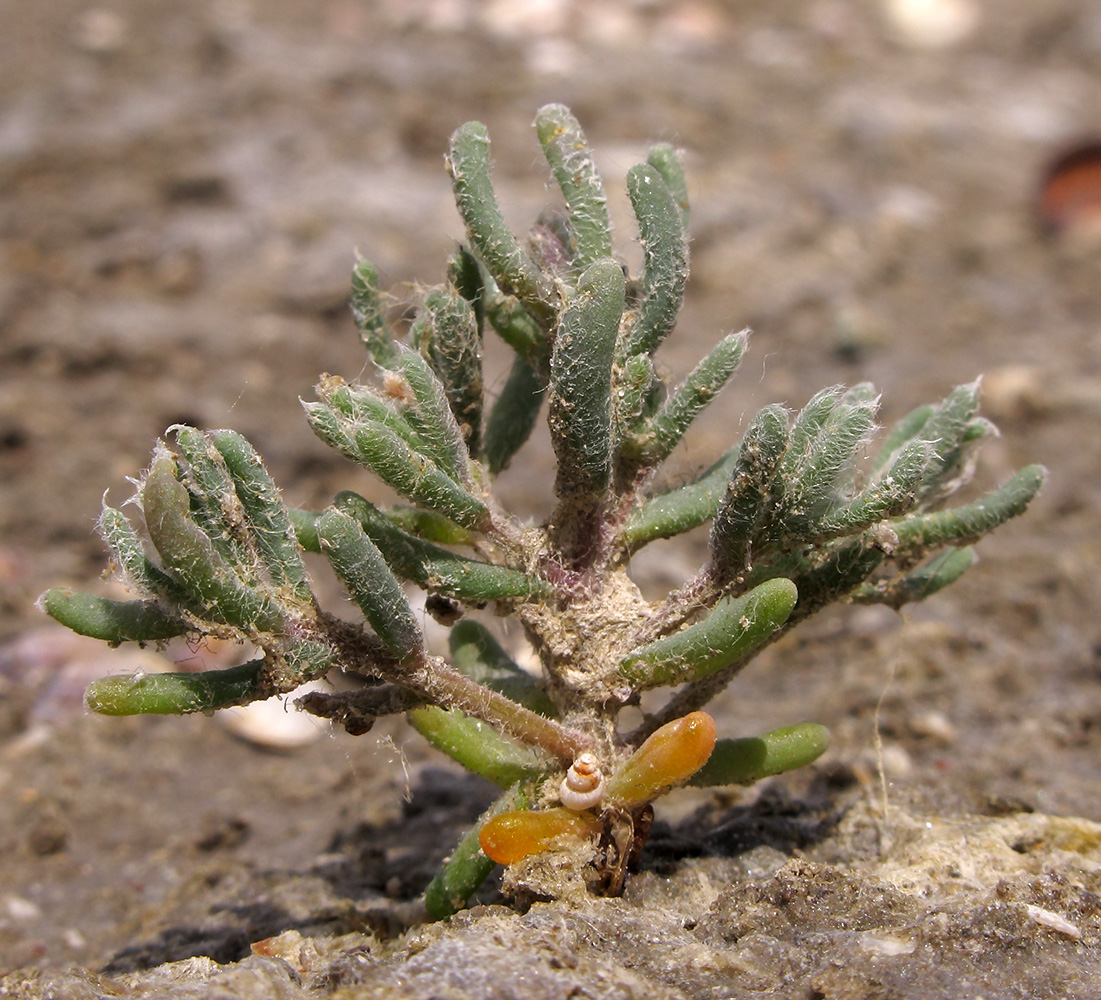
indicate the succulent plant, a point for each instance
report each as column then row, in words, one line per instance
column 798, row 521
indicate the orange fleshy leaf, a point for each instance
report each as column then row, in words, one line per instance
column 512, row 836
column 668, row 758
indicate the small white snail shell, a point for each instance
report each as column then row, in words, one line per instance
column 583, row 786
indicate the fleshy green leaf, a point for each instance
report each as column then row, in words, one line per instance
column 574, row 169
column 355, row 404
column 680, row 509
column 631, row 385
column 370, row 316
column 823, row 449
column 268, row 519
column 665, row 259
column 304, row 523
column 416, row 477
column 728, row 632
column 968, row 523
column 192, row 558
column 665, row 160
column 137, row 569
column 361, row 567
column 478, row 655
column 516, row 327
column 467, row 868
column 823, row 575
column 214, row 506
column 952, row 432
column 111, row 621
column 888, row 497
column 430, row 526
column 454, row 348
column 752, row 488
column 477, row 745
column 177, row 693
column 665, row 429
column 464, row 274
column 746, row 760
column 436, row 568
column 902, row 434
column 510, row 265
column 432, row 419
column 581, row 381
column 513, row 416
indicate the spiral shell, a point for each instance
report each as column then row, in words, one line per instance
column 583, row 786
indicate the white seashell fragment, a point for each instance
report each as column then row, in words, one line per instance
column 931, row 24
column 887, row 945
column 1054, row 922
column 274, row 724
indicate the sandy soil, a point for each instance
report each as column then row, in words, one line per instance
column 181, row 189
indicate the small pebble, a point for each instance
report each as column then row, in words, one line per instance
column 300, row 953
column 895, row 761
column 935, row 725
column 100, row 31
column 1014, row 392
column 21, row 910
column 525, row 19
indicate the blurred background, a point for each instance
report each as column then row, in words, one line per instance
column 183, row 186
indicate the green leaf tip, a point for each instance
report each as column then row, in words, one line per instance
column 111, row 621
column 574, row 169
column 730, row 631
column 467, row 868
column 451, row 340
column 269, row 521
column 363, row 570
column 513, row 416
column 417, row 477
column 137, row 570
column 750, row 491
column 744, row 761
column 192, row 558
column 508, row 262
column 969, row 522
column 823, row 447
column 581, row 381
column 665, row 259
column 667, row 162
column 668, row 425
column 478, row 746
column 431, row 416
column 369, row 315
column 176, row 693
